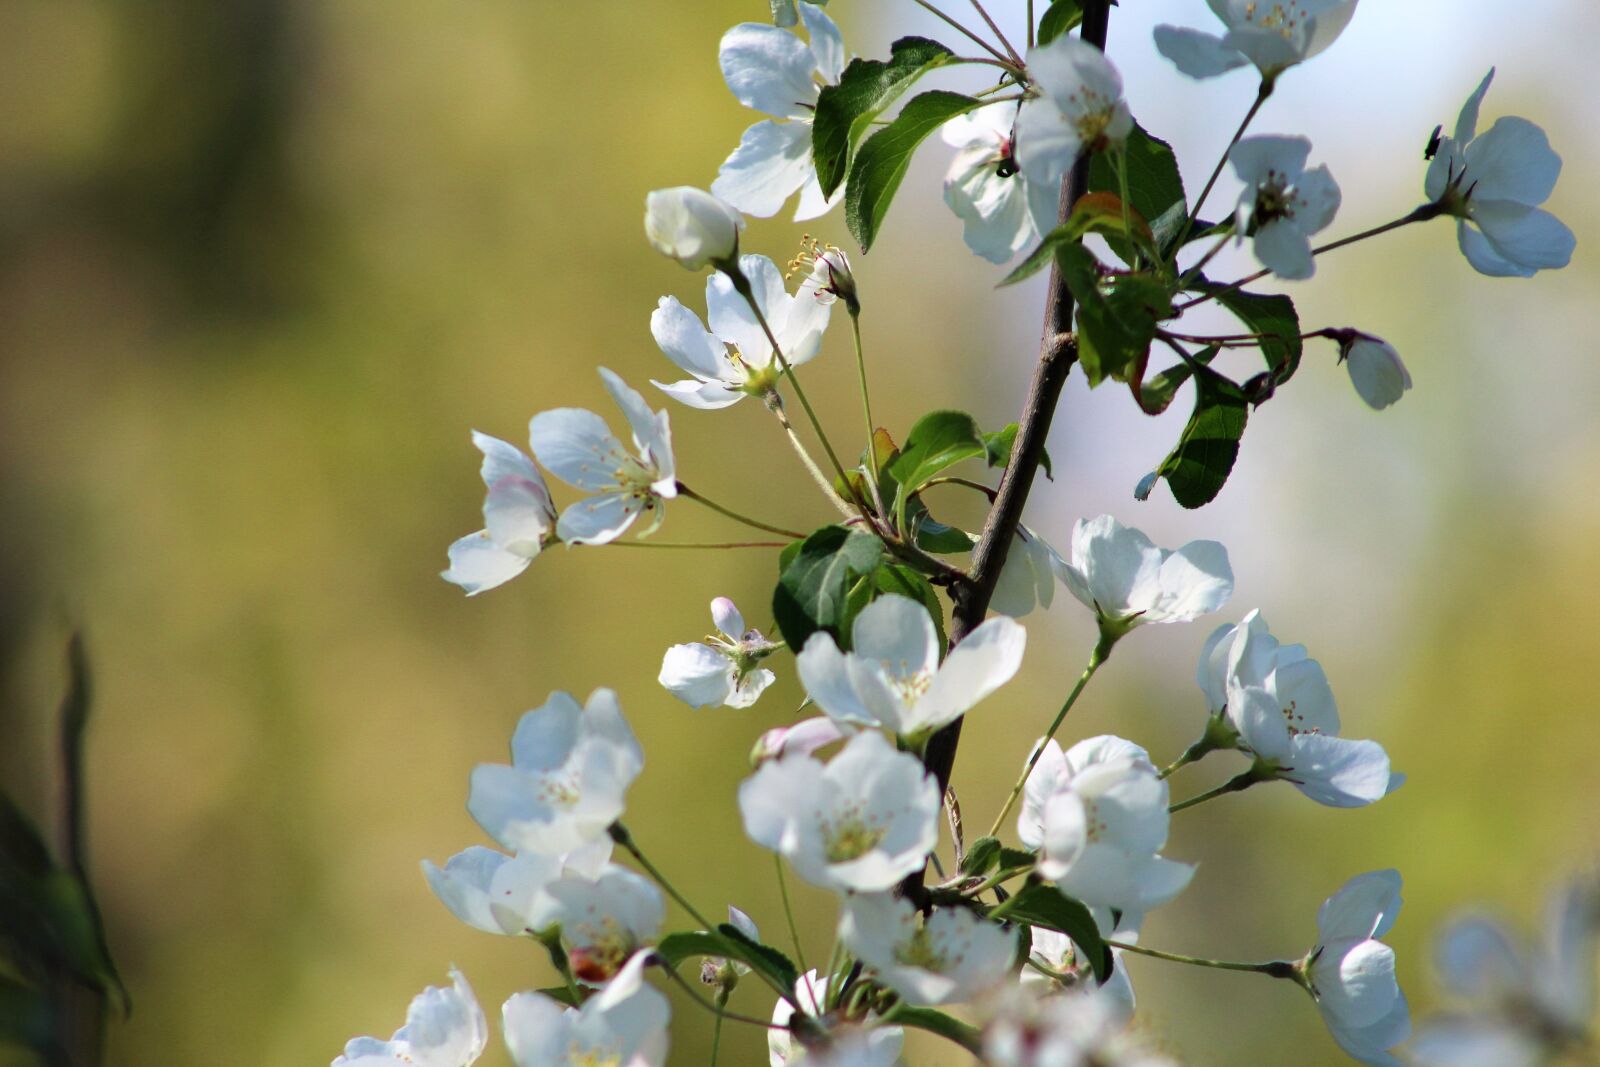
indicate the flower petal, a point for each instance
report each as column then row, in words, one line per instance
column 577, row 447
column 986, row 659
column 1199, row 55
column 697, row 674
column 477, row 564
column 599, row 520
column 772, row 161
column 682, row 339
column 769, row 69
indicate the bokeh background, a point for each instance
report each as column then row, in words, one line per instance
column 264, row 263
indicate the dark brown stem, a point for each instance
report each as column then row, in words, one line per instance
column 1058, row 351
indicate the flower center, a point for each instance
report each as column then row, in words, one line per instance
column 849, row 836
column 909, row 685
column 1094, row 827
column 601, row 948
column 1296, row 721
column 1274, row 199
column 1286, row 18
column 560, row 793
column 919, row 952
column 594, row 1056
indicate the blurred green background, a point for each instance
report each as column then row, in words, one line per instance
column 264, row 263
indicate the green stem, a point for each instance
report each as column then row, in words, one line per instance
column 1421, row 214
column 1121, row 159
column 1249, row 117
column 716, row 1038
column 702, row 544
column 1235, row 784
column 1101, row 651
column 950, row 479
column 1275, row 968
column 1030, row 24
column 684, row 490
column 977, row 5
column 998, row 878
column 866, row 404
column 621, row 836
column 721, row 1013
column 775, row 405
column 788, row 913
column 959, row 28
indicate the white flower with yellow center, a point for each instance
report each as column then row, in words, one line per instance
column 570, row 769
column 878, row 1046
column 1283, row 203
column 1351, row 972
column 1098, row 817
column 518, row 518
column 735, row 359
column 858, row 824
column 1076, row 109
column 444, row 1028
column 951, row 957
column 577, row 447
column 1001, row 211
column 722, row 670
column 1069, row 971
column 1117, row 572
column 603, row 919
column 892, row 676
column 623, row 1025
column 1272, row 34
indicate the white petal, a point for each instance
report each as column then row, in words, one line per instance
column 1256, row 159
column 1195, row 580
column 1477, row 960
column 703, row 396
column 985, row 660
column 682, row 339
column 537, row 1029
column 1357, row 988
column 1365, row 906
column 1316, row 199
column 503, row 460
column 827, row 44
column 518, row 514
column 1526, row 236
column 577, row 447
column 994, row 211
column 1047, row 141
column 650, row 431
column 725, row 616
column 1485, row 257
column 444, row 1028
column 729, row 313
column 1368, row 1043
column 1285, row 250
column 477, row 564
column 600, row 519
column 1337, row 771
column 1512, row 160
column 1467, row 121
column 772, row 161
column 750, row 687
column 897, row 633
column 697, row 674
column 769, row 69
column 825, row 675
column 1199, row 55
column 1377, row 372
column 462, row 885
column 813, row 205
column 1470, row 1042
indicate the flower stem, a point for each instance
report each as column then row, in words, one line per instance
column 1101, row 651
column 959, row 28
column 1237, row 783
column 1030, row 24
column 788, row 913
column 721, row 1013
column 1421, row 214
column 977, row 5
column 701, row 544
column 1216, row 172
column 621, row 836
column 684, row 490
column 866, row 399
column 1274, row 968
column 716, row 1037
column 775, row 405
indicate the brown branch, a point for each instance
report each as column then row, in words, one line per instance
column 1058, row 351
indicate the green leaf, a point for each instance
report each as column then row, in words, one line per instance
column 1093, row 213
column 1156, row 394
column 981, row 855
column 1273, row 316
column 1155, row 187
column 761, row 957
column 881, row 162
column 29, row 1019
column 931, row 535
column 687, row 944
column 1046, row 906
column 1061, row 17
column 1016, row 857
column 1115, row 327
column 868, row 86
column 938, row 441
column 1197, row 469
column 998, row 445
column 815, row 583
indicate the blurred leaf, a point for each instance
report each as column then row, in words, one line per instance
column 28, row 1019
column 1016, row 857
column 1198, row 468
column 814, row 585
column 1061, row 17
column 1046, row 906
column 1093, row 213
column 981, row 855
column 1271, row 315
column 882, row 161
column 868, row 86
column 1155, row 187
column 759, row 956
column 937, row 1022
column 998, row 446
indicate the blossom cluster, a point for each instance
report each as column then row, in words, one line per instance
column 1030, row 927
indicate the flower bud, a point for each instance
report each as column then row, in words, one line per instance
column 692, row 226
column 1375, row 370
column 803, row 738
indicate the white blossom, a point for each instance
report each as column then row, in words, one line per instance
column 1077, row 107
column 1127, row 581
column 570, row 768
column 1098, row 816
column 1352, row 972
column 1001, row 210
column 951, row 957
column 1494, row 183
column 772, row 71
column 692, row 226
column 1279, row 702
column 1057, row 953
column 624, row 1025
column 577, row 447
column 1518, row 1007
column 1028, row 579
column 734, row 359
column 892, row 676
column 878, row 1046
column 1082, row 1030
column 444, row 1028
column 1283, row 203
column 1376, row 370
column 723, row 669
column 499, row 894
column 604, row 919
column 518, row 518
column 1272, row 34
column 859, row 824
